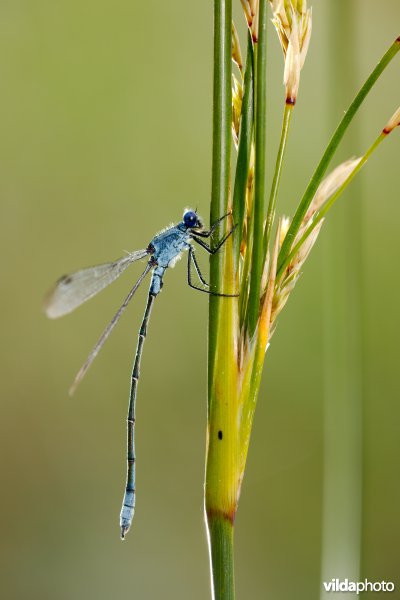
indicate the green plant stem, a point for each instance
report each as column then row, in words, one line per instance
column 244, row 283
column 220, row 533
column 259, row 171
column 287, row 115
column 330, row 151
column 220, row 485
column 319, row 215
column 244, row 149
column 221, row 153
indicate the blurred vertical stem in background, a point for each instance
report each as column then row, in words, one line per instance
column 260, row 262
column 343, row 365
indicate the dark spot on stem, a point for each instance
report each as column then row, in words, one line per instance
column 398, row 40
column 291, row 101
column 215, row 514
column 67, row 279
column 220, row 435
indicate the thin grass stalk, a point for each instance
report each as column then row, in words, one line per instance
column 287, row 115
column 244, row 149
column 259, row 172
column 331, row 149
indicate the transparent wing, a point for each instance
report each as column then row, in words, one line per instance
column 72, row 290
column 104, row 336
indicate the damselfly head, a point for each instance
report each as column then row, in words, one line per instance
column 191, row 220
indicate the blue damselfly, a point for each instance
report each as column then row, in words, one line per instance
column 162, row 252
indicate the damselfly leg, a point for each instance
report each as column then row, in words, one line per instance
column 209, row 232
column 192, row 259
column 218, row 246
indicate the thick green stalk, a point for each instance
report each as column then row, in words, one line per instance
column 331, row 149
column 287, row 115
column 259, row 170
column 221, row 459
column 221, row 152
column 220, row 533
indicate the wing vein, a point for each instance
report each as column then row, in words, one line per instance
column 73, row 290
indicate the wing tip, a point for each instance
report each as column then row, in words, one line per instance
column 51, row 315
column 49, row 307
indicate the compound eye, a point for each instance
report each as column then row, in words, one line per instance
column 190, row 218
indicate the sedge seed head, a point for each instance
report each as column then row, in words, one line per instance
column 237, row 97
column 291, row 275
column 253, row 6
column 284, row 228
column 251, row 13
column 326, row 189
column 393, row 122
column 247, row 12
column 306, row 247
column 236, row 51
column 265, row 273
column 330, row 185
column 293, row 23
column 291, row 75
column 250, row 173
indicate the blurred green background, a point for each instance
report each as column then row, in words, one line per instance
column 105, row 138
